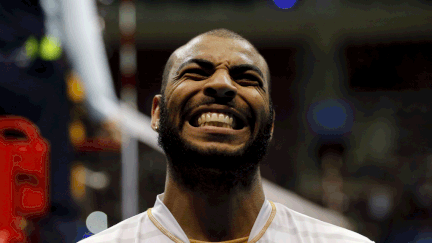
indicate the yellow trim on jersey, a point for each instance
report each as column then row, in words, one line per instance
column 161, row 228
column 177, row 240
column 239, row 240
column 261, row 233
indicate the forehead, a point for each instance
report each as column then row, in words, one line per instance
column 219, row 50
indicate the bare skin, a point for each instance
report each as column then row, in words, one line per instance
column 214, row 217
column 218, row 216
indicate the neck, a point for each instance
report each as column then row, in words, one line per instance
column 217, row 215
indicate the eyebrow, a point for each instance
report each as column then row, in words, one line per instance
column 209, row 65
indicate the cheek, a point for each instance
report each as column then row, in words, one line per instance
column 178, row 98
column 260, row 102
column 258, row 105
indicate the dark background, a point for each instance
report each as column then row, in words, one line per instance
column 374, row 54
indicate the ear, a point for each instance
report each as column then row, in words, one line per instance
column 272, row 129
column 155, row 113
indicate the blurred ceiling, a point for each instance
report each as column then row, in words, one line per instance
column 326, row 23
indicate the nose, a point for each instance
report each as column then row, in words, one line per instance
column 220, row 86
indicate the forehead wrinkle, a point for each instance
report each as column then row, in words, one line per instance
column 196, row 48
column 243, row 58
column 181, row 53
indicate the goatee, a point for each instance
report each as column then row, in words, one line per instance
column 211, row 171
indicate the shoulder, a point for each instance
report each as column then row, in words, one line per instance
column 302, row 227
column 121, row 232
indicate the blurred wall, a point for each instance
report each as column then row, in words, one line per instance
column 372, row 56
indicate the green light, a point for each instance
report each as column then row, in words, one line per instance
column 31, row 47
column 50, row 48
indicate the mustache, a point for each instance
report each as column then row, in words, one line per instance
column 210, row 101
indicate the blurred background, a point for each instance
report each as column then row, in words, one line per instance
column 351, row 83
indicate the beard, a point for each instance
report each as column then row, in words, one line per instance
column 207, row 171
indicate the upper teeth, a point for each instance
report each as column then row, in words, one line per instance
column 216, row 119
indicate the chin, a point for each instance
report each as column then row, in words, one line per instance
column 216, row 147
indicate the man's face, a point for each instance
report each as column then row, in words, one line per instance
column 210, row 87
column 216, row 106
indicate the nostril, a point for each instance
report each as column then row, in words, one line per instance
column 210, row 91
column 230, row 93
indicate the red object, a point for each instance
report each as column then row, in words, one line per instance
column 99, row 145
column 24, row 175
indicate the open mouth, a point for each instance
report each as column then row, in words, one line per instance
column 216, row 119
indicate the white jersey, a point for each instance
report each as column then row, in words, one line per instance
column 275, row 224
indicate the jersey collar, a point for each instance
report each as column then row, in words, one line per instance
column 167, row 224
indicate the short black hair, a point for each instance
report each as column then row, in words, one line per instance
column 221, row 32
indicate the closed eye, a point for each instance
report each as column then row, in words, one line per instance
column 197, row 71
column 249, row 79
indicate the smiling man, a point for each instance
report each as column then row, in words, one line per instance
column 215, row 119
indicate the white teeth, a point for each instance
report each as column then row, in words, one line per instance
column 225, row 119
column 221, row 117
column 216, row 119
